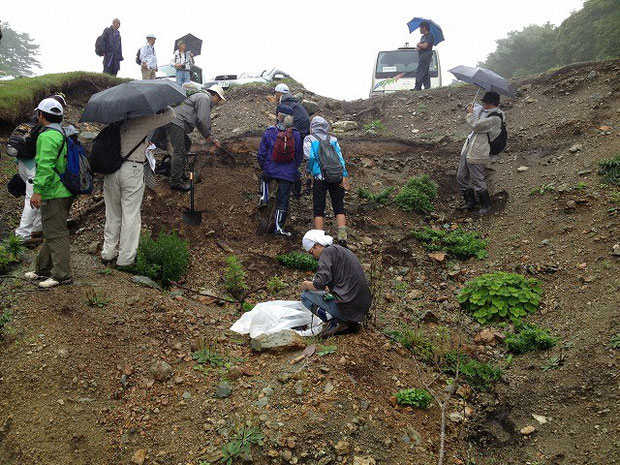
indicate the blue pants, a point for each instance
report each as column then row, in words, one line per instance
column 182, row 77
column 324, row 309
column 284, row 192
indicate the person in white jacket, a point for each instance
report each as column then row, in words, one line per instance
column 486, row 124
column 148, row 58
column 123, row 190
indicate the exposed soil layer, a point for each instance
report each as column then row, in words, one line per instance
column 75, row 380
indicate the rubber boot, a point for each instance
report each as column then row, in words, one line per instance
column 280, row 219
column 485, row 202
column 264, row 194
column 470, row 200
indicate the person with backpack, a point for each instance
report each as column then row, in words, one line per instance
column 326, row 168
column 182, row 62
column 51, row 196
column 279, row 156
column 112, row 48
column 22, row 145
column 147, row 59
column 338, row 293
column 123, row 190
column 488, row 125
column 193, row 112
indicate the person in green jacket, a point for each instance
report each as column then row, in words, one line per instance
column 53, row 265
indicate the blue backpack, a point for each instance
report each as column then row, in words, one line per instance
column 77, row 178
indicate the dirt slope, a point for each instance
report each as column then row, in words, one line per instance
column 75, row 381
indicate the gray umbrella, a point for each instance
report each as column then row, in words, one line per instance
column 484, row 78
column 130, row 99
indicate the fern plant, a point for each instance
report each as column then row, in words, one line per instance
column 500, row 296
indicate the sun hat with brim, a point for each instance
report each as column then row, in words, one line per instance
column 316, row 236
column 151, row 36
column 217, row 89
column 50, row 106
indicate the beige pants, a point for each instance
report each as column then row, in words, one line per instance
column 148, row 73
column 122, row 192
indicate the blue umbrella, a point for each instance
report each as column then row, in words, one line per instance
column 434, row 27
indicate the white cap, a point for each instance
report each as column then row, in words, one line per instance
column 282, row 88
column 218, row 90
column 151, row 36
column 51, row 106
column 316, row 236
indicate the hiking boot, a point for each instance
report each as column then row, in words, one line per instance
column 184, row 187
column 263, row 203
column 333, row 327
column 33, row 276
column 485, row 202
column 470, row 200
column 51, row 282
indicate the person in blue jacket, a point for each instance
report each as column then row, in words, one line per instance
column 319, row 132
column 279, row 156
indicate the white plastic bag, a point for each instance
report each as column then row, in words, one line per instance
column 274, row 316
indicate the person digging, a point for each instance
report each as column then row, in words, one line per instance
column 340, row 272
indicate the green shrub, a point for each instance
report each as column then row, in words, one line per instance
column 459, row 243
column 614, row 341
column 499, row 296
column 275, row 285
column 382, row 197
column 528, row 338
column 239, row 446
column 235, row 277
column 299, row 261
column 375, row 125
column 417, row 194
column 610, row 170
column 416, row 397
column 11, row 251
column 480, row 376
column 5, row 318
column 165, row 258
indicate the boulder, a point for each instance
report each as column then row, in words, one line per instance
column 344, row 126
column 280, row 341
column 310, row 106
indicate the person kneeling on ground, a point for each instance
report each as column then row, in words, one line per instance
column 349, row 299
column 327, row 169
column 486, row 124
column 279, row 156
column 52, row 197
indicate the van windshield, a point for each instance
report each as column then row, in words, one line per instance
column 394, row 62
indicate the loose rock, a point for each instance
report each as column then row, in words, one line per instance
column 161, row 371
column 146, row 282
column 138, row 457
column 282, row 340
column 223, row 390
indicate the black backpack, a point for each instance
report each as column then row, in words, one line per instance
column 329, row 162
column 105, row 155
column 499, row 143
column 138, row 61
column 100, row 45
column 22, row 142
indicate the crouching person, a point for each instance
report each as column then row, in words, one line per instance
column 340, row 272
column 53, row 264
column 279, row 156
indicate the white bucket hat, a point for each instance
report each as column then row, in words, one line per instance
column 151, row 36
column 51, row 106
column 316, row 236
column 282, row 88
column 216, row 88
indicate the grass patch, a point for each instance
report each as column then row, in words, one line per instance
column 240, row 445
column 97, row 299
column 416, row 397
column 19, row 96
column 382, row 197
column 543, row 189
column 609, row 170
column 480, row 376
column 375, row 125
column 552, row 363
column 614, row 341
column 430, row 349
column 326, row 350
column 165, row 258
column 529, row 338
column 458, row 243
column 298, row 261
column 417, row 194
column 11, row 252
column 209, row 356
column 500, row 296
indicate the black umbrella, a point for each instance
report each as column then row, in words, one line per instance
column 194, row 44
column 130, row 99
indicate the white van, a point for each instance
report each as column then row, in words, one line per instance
column 395, row 70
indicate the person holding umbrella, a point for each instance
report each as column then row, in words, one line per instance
column 182, row 62
column 425, row 54
column 486, row 123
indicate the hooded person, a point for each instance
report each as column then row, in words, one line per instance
column 312, row 144
column 279, row 155
column 347, row 300
column 486, row 123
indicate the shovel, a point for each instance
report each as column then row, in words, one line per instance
column 192, row 216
